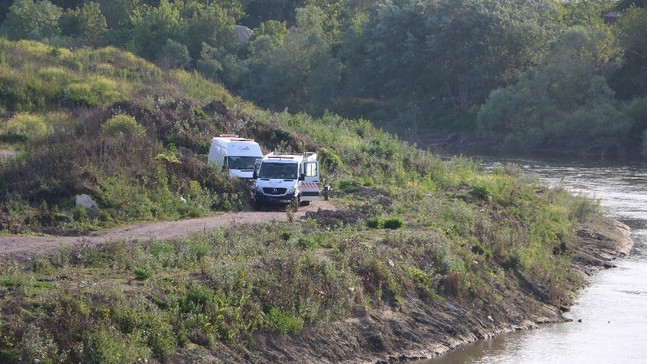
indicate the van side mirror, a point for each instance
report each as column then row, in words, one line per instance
column 302, row 177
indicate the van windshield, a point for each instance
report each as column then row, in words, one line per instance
column 278, row 171
column 242, row 163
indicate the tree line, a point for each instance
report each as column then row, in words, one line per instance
column 532, row 75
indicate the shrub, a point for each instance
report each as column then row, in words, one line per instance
column 307, row 242
column 482, row 192
column 79, row 214
column 283, row 322
column 330, row 160
column 39, row 344
column 93, row 92
column 122, row 124
column 350, row 185
column 393, row 223
column 373, row 223
column 27, row 126
column 142, row 273
column 111, row 346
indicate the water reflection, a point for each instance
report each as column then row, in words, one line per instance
column 613, row 310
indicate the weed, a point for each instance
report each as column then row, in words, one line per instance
column 283, row 322
column 307, row 242
column 142, row 273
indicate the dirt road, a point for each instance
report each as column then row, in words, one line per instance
column 25, row 246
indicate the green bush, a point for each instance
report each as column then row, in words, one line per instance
column 79, row 214
column 283, row 322
column 142, row 273
column 27, row 126
column 374, row 223
column 330, row 160
column 310, row 242
column 122, row 124
column 94, row 92
column 393, row 223
column 482, row 192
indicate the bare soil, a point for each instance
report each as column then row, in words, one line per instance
column 24, row 247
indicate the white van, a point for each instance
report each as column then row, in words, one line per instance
column 236, row 155
column 287, row 179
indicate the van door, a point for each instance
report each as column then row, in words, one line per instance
column 310, row 186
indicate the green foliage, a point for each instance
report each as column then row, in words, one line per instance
column 93, row 92
column 86, row 21
column 209, row 24
column 152, row 26
column 224, row 285
column 39, row 344
column 107, row 345
column 374, row 223
column 32, row 19
column 174, row 55
column 26, row 126
column 393, row 223
column 283, row 322
column 330, row 161
column 79, row 214
column 636, row 109
column 301, row 70
column 122, row 125
column 482, row 192
column 562, row 101
column 395, row 46
column 142, row 273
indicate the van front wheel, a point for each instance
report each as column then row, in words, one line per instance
column 257, row 205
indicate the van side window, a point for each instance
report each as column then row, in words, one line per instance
column 311, row 169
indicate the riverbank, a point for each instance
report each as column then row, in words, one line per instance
column 417, row 330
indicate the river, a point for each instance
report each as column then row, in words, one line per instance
column 610, row 316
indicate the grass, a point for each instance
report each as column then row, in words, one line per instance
column 135, row 142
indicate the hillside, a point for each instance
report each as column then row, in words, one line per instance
column 415, row 242
column 541, row 77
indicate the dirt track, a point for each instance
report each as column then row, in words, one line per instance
column 25, row 246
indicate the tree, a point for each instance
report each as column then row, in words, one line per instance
column 293, row 75
column 631, row 79
column 152, row 26
column 206, row 23
column 34, row 20
column 87, row 22
column 119, row 14
column 174, row 55
column 425, row 49
column 562, row 103
column 585, row 12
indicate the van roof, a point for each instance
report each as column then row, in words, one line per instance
column 233, row 138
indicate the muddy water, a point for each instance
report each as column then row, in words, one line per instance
column 613, row 310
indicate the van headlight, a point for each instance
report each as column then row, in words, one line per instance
column 290, row 191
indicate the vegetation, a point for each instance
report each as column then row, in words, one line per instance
column 412, row 67
column 133, row 137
